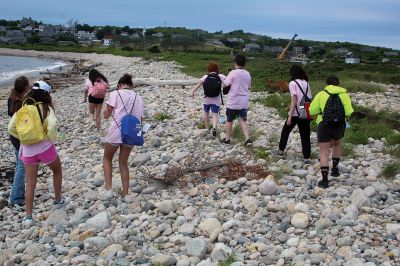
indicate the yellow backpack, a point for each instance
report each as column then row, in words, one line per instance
column 28, row 123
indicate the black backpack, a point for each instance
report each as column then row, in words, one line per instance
column 334, row 114
column 212, row 85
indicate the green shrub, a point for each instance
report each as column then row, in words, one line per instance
column 162, row 116
column 154, row 49
column 262, row 153
column 391, row 169
column 229, row 260
column 393, row 150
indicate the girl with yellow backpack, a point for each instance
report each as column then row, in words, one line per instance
column 35, row 126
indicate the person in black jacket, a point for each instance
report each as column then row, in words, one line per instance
column 14, row 103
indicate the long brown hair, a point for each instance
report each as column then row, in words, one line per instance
column 38, row 95
column 21, row 85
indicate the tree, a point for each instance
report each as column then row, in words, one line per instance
column 107, row 30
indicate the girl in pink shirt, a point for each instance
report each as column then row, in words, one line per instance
column 95, row 103
column 120, row 100
column 299, row 89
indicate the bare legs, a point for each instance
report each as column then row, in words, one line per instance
column 31, row 179
column 207, row 119
column 95, row 114
column 109, row 152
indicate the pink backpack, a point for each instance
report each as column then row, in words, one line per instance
column 99, row 89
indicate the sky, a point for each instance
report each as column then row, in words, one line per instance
column 370, row 22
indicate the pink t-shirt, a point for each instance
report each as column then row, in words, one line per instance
column 213, row 100
column 35, row 149
column 128, row 98
column 240, row 82
column 295, row 90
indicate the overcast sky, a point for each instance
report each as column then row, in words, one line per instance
column 373, row 22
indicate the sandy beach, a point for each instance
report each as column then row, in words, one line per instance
column 198, row 217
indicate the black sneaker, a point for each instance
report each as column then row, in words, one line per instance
column 335, row 172
column 248, row 142
column 226, row 141
column 323, row 183
column 214, row 132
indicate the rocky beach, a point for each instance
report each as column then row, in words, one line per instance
column 182, row 209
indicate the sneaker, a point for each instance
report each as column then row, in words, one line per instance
column 248, row 142
column 323, row 183
column 105, row 194
column 27, row 222
column 278, row 153
column 61, row 204
column 214, row 132
column 17, row 207
column 226, row 141
column 335, row 172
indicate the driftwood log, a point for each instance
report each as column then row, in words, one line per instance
column 157, row 82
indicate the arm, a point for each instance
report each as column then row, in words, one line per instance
column 85, row 95
column 12, row 128
column 348, row 108
column 293, row 103
column 51, row 121
column 196, row 87
column 108, row 111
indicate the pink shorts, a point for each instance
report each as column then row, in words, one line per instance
column 46, row 157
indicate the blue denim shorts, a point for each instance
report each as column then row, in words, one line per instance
column 231, row 114
column 214, row 108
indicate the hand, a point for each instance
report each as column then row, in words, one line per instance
column 192, row 94
column 83, row 101
column 289, row 121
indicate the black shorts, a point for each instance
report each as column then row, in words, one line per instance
column 326, row 134
column 95, row 100
column 231, row 114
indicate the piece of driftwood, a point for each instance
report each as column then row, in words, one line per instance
column 157, row 82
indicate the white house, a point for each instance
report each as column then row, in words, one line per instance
column 352, row 60
column 107, row 40
column 85, row 35
column 158, row 35
column 251, row 47
column 234, row 39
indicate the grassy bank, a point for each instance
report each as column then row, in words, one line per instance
column 261, row 66
column 365, row 122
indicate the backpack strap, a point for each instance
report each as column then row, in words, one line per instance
column 122, row 102
column 304, row 94
column 133, row 105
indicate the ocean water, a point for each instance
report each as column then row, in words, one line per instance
column 13, row 66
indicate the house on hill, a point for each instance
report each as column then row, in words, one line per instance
column 352, row 59
column 158, row 35
column 342, row 51
column 298, row 50
column 392, row 53
column 215, row 42
column 108, row 40
column 368, row 49
column 251, row 47
column 15, row 36
column 276, row 49
column 235, row 40
column 85, row 35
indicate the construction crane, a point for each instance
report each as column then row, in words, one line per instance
column 282, row 55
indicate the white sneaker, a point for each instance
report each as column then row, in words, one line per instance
column 105, row 194
column 27, row 222
column 62, row 203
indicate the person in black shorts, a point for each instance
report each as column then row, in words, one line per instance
column 328, row 133
column 95, row 103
